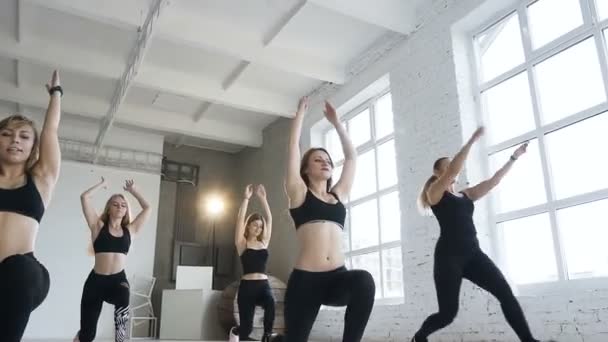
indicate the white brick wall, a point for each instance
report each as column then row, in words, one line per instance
column 428, row 125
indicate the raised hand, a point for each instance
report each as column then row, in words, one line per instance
column 103, row 183
column 520, row 150
column 302, row 106
column 129, row 185
column 330, row 113
column 248, row 191
column 478, row 133
column 54, row 81
column 260, row 191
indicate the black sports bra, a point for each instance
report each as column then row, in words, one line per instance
column 108, row 243
column 314, row 209
column 254, row 260
column 25, row 200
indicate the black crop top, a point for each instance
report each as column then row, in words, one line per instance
column 108, row 243
column 25, row 200
column 314, row 209
column 254, row 260
column 455, row 216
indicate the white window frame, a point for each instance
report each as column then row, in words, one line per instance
column 366, row 147
column 591, row 28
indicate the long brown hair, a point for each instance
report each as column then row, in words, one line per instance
column 306, row 160
column 423, row 198
column 251, row 218
column 19, row 121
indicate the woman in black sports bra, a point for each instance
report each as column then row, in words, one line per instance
column 319, row 277
column 29, row 169
column 457, row 254
column 111, row 233
column 252, row 239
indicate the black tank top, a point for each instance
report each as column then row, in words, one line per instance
column 455, row 216
column 108, row 243
column 25, row 200
column 314, row 209
column 254, row 260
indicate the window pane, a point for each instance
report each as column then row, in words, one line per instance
column 525, row 177
column 335, row 177
column 500, row 48
column 384, row 116
column 364, row 224
column 529, row 249
column 584, row 236
column 390, row 217
column 359, row 128
column 387, row 164
column 392, row 269
column 346, row 235
column 570, row 81
column 365, row 176
column 333, row 145
column 602, row 8
column 371, row 263
column 576, row 156
column 509, row 109
column 550, row 19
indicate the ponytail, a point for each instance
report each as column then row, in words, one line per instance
column 423, row 200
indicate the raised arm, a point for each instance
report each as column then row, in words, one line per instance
column 90, row 214
column 345, row 183
column 436, row 190
column 295, row 186
column 261, row 193
column 239, row 236
column 47, row 167
column 143, row 215
column 478, row 191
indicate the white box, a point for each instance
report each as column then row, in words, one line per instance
column 190, row 315
column 194, row 278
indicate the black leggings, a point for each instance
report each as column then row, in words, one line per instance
column 112, row 289
column 252, row 293
column 477, row 267
column 307, row 291
column 24, row 284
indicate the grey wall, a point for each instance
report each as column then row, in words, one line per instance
column 218, row 174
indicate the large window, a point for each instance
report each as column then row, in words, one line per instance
column 372, row 239
column 542, row 76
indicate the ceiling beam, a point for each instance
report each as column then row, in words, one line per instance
column 234, row 75
column 19, row 21
column 75, row 59
column 393, row 15
column 135, row 59
column 201, row 111
column 136, row 115
column 192, row 29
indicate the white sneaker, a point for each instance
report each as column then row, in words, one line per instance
column 233, row 336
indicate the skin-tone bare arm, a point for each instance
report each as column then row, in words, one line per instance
column 345, row 183
column 141, row 218
column 480, row 190
column 239, row 236
column 437, row 188
column 90, row 214
column 46, row 169
column 294, row 185
column 261, row 193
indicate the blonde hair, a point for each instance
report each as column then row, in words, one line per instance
column 423, row 199
column 19, row 121
column 105, row 217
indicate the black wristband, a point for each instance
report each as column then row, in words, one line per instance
column 56, row 88
column 512, row 158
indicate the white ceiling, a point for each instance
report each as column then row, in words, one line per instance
column 214, row 73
